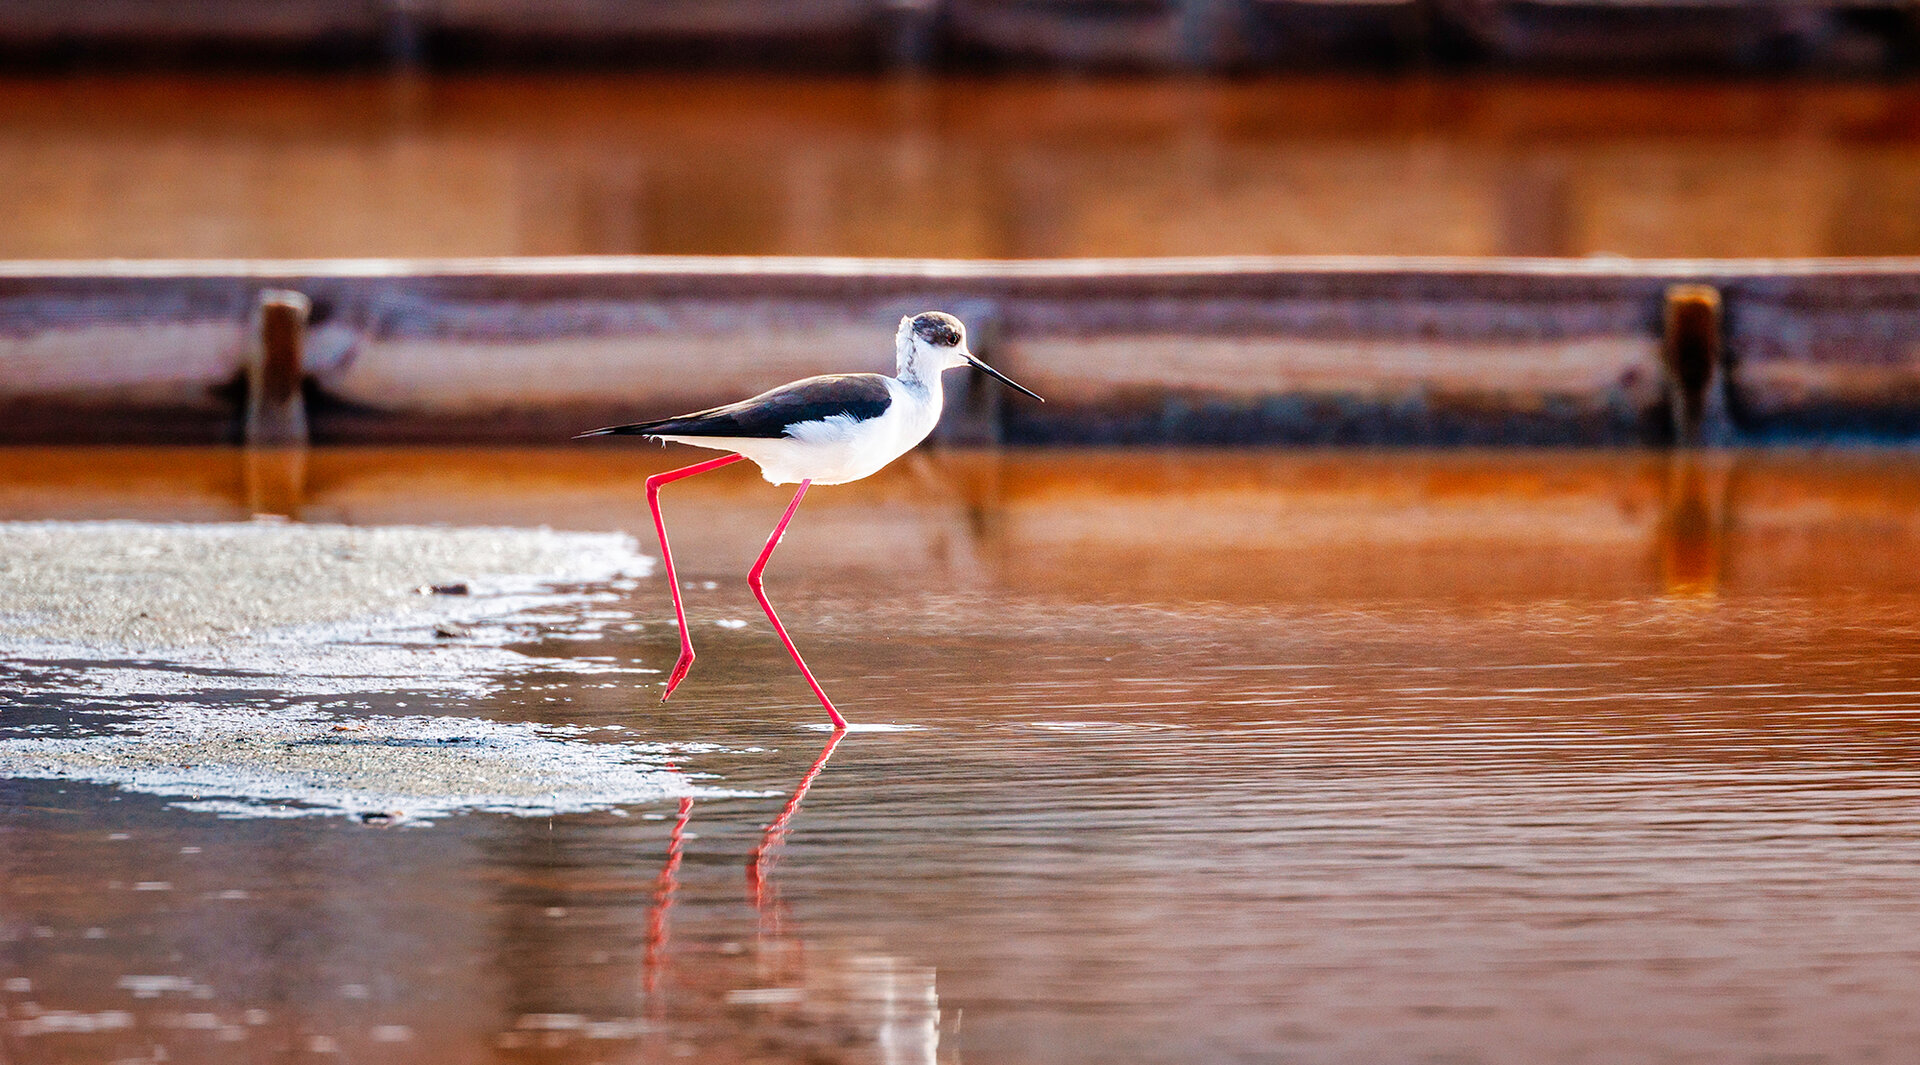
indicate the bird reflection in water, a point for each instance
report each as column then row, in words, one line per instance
column 803, row 999
column 663, row 890
column 759, row 866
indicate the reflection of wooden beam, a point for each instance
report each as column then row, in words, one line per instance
column 1251, row 526
column 275, row 479
column 1692, row 535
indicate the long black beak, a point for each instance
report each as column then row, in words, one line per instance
column 1004, row 379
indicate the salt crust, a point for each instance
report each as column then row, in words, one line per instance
column 184, row 651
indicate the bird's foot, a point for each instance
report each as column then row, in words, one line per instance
column 679, row 674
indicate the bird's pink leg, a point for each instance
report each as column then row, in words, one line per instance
column 666, row 556
column 760, row 593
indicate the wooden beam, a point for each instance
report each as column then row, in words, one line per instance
column 1227, row 351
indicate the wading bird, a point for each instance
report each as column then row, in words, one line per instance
column 821, row 430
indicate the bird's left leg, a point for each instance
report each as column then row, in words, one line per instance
column 654, row 483
column 760, row 593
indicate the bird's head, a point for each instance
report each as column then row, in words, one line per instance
column 934, row 341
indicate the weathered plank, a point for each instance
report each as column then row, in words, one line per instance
column 1224, row 351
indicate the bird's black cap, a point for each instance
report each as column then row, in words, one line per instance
column 937, row 328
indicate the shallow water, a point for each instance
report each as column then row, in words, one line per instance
column 1518, row 758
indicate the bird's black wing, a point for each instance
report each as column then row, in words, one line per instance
column 769, row 414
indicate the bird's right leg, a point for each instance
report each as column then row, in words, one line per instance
column 666, row 556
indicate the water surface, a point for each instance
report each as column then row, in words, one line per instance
column 1521, row 758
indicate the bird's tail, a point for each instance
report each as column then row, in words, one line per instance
column 632, row 429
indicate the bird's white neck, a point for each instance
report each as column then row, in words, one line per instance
column 920, row 380
column 919, row 376
column 918, row 369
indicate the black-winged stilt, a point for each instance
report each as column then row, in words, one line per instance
column 821, row 430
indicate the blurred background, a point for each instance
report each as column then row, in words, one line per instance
column 1396, row 221
column 1367, row 754
column 960, row 128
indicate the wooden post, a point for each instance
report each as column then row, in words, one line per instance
column 1692, row 350
column 276, row 414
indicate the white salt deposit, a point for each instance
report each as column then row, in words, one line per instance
column 251, row 761
column 186, row 647
column 91, row 589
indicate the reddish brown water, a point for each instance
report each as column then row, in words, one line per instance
column 180, row 167
column 1361, row 758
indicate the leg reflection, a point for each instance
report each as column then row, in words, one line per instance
column 663, row 890
column 760, row 866
column 787, row 998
